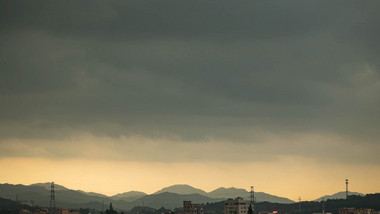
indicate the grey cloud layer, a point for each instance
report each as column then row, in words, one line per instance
column 197, row 70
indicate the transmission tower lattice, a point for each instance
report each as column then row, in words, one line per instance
column 252, row 198
column 52, row 196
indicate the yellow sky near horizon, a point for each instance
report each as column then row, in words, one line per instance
column 290, row 179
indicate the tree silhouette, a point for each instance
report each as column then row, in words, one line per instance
column 111, row 210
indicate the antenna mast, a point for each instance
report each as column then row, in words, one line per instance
column 299, row 204
column 346, row 189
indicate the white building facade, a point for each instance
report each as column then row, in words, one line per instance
column 236, row 206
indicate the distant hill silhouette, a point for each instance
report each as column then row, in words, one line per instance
column 182, row 189
column 259, row 196
column 8, row 203
column 67, row 198
column 171, row 200
column 64, row 197
column 338, row 195
column 372, row 201
column 142, row 209
column 47, row 186
column 60, row 187
column 224, row 193
column 129, row 196
column 331, row 205
column 227, row 193
column 169, row 197
column 92, row 193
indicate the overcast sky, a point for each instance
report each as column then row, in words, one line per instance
column 282, row 95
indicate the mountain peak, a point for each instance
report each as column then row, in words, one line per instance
column 230, row 192
column 47, row 186
column 131, row 193
column 129, row 196
column 181, row 189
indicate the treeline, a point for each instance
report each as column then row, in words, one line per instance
column 8, row 206
column 307, row 207
column 371, row 201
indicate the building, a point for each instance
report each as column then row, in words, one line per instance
column 57, row 211
column 42, row 211
column 265, row 212
column 189, row 208
column 352, row 210
column 28, row 203
column 67, row 211
column 236, row 206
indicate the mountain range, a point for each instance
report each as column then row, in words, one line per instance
column 224, row 193
column 169, row 197
column 338, row 195
column 129, row 196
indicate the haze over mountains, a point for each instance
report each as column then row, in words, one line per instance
column 224, row 193
column 182, row 189
column 338, row 195
column 169, row 197
column 129, row 196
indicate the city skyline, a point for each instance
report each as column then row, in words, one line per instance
column 112, row 96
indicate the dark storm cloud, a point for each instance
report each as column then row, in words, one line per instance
column 189, row 68
column 152, row 19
